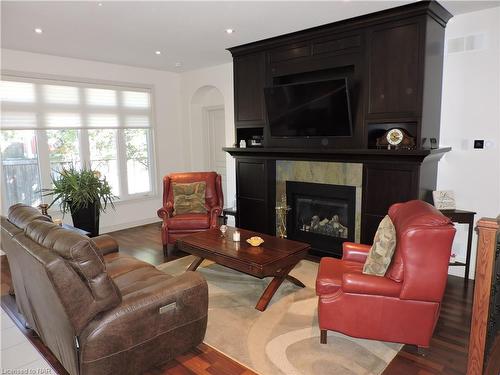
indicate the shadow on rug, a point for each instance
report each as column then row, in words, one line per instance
column 284, row 339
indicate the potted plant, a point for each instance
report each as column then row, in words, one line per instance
column 84, row 193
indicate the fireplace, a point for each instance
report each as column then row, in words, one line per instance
column 322, row 215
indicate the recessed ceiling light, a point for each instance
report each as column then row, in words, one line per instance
column 99, row 4
column 158, row 52
column 178, row 64
column 38, row 30
column 229, row 31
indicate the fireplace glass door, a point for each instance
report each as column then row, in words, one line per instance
column 322, row 215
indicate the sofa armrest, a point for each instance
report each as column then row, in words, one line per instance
column 359, row 283
column 355, row 252
column 165, row 307
column 105, row 244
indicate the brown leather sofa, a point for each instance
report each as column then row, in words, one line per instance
column 98, row 311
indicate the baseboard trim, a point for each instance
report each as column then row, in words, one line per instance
column 130, row 224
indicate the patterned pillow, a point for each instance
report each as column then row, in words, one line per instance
column 380, row 254
column 189, row 198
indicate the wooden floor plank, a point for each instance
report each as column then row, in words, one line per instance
column 447, row 354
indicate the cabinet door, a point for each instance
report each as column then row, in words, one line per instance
column 249, row 81
column 384, row 185
column 255, row 190
column 394, row 69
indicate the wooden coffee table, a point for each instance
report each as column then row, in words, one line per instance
column 276, row 257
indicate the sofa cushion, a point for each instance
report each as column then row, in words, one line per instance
column 330, row 274
column 85, row 261
column 83, row 257
column 189, row 198
column 21, row 215
column 380, row 255
column 118, row 264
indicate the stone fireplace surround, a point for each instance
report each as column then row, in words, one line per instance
column 332, row 173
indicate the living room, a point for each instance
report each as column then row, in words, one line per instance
column 171, row 59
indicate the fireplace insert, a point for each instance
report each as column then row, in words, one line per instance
column 322, row 215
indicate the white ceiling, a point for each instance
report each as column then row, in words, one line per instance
column 192, row 33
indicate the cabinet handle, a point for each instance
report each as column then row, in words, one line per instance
column 409, row 91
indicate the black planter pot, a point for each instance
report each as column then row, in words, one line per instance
column 86, row 219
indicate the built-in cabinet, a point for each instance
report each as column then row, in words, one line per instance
column 393, row 62
column 394, row 70
column 249, row 81
column 255, row 199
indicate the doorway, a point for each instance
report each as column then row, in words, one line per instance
column 216, row 135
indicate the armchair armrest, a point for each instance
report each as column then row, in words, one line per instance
column 355, row 252
column 105, row 244
column 358, row 283
column 169, row 306
column 165, row 212
column 215, row 212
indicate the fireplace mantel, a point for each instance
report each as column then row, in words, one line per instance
column 340, row 155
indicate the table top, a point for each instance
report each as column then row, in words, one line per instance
column 455, row 211
column 273, row 249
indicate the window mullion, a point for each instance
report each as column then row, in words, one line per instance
column 43, row 159
column 42, row 146
column 121, row 149
column 84, row 134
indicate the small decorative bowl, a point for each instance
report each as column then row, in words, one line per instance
column 255, row 241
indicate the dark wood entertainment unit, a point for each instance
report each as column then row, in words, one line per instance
column 393, row 60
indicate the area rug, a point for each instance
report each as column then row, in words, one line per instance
column 284, row 339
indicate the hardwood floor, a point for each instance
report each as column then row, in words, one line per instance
column 447, row 354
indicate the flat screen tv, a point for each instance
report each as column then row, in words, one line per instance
column 309, row 109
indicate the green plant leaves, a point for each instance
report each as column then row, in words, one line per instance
column 79, row 188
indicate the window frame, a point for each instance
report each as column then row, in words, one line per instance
column 84, row 148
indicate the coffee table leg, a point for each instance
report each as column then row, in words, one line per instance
column 274, row 285
column 196, row 262
column 295, row 281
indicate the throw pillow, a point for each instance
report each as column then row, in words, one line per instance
column 380, row 254
column 189, row 198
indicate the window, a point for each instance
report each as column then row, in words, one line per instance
column 48, row 125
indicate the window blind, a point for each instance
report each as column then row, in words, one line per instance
column 30, row 103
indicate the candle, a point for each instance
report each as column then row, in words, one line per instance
column 236, row 236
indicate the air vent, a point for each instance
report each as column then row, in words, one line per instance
column 466, row 43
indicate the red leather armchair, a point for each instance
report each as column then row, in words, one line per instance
column 403, row 306
column 178, row 225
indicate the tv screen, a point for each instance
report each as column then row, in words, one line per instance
column 310, row 109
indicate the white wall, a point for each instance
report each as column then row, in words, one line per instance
column 471, row 110
column 220, row 77
column 171, row 156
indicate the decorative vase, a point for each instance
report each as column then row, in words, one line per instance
column 86, row 218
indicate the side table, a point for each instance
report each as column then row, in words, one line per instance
column 83, row 232
column 463, row 217
column 230, row 211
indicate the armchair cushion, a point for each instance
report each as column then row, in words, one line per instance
column 384, row 243
column 189, row 198
column 330, row 273
column 359, row 283
column 188, row 221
